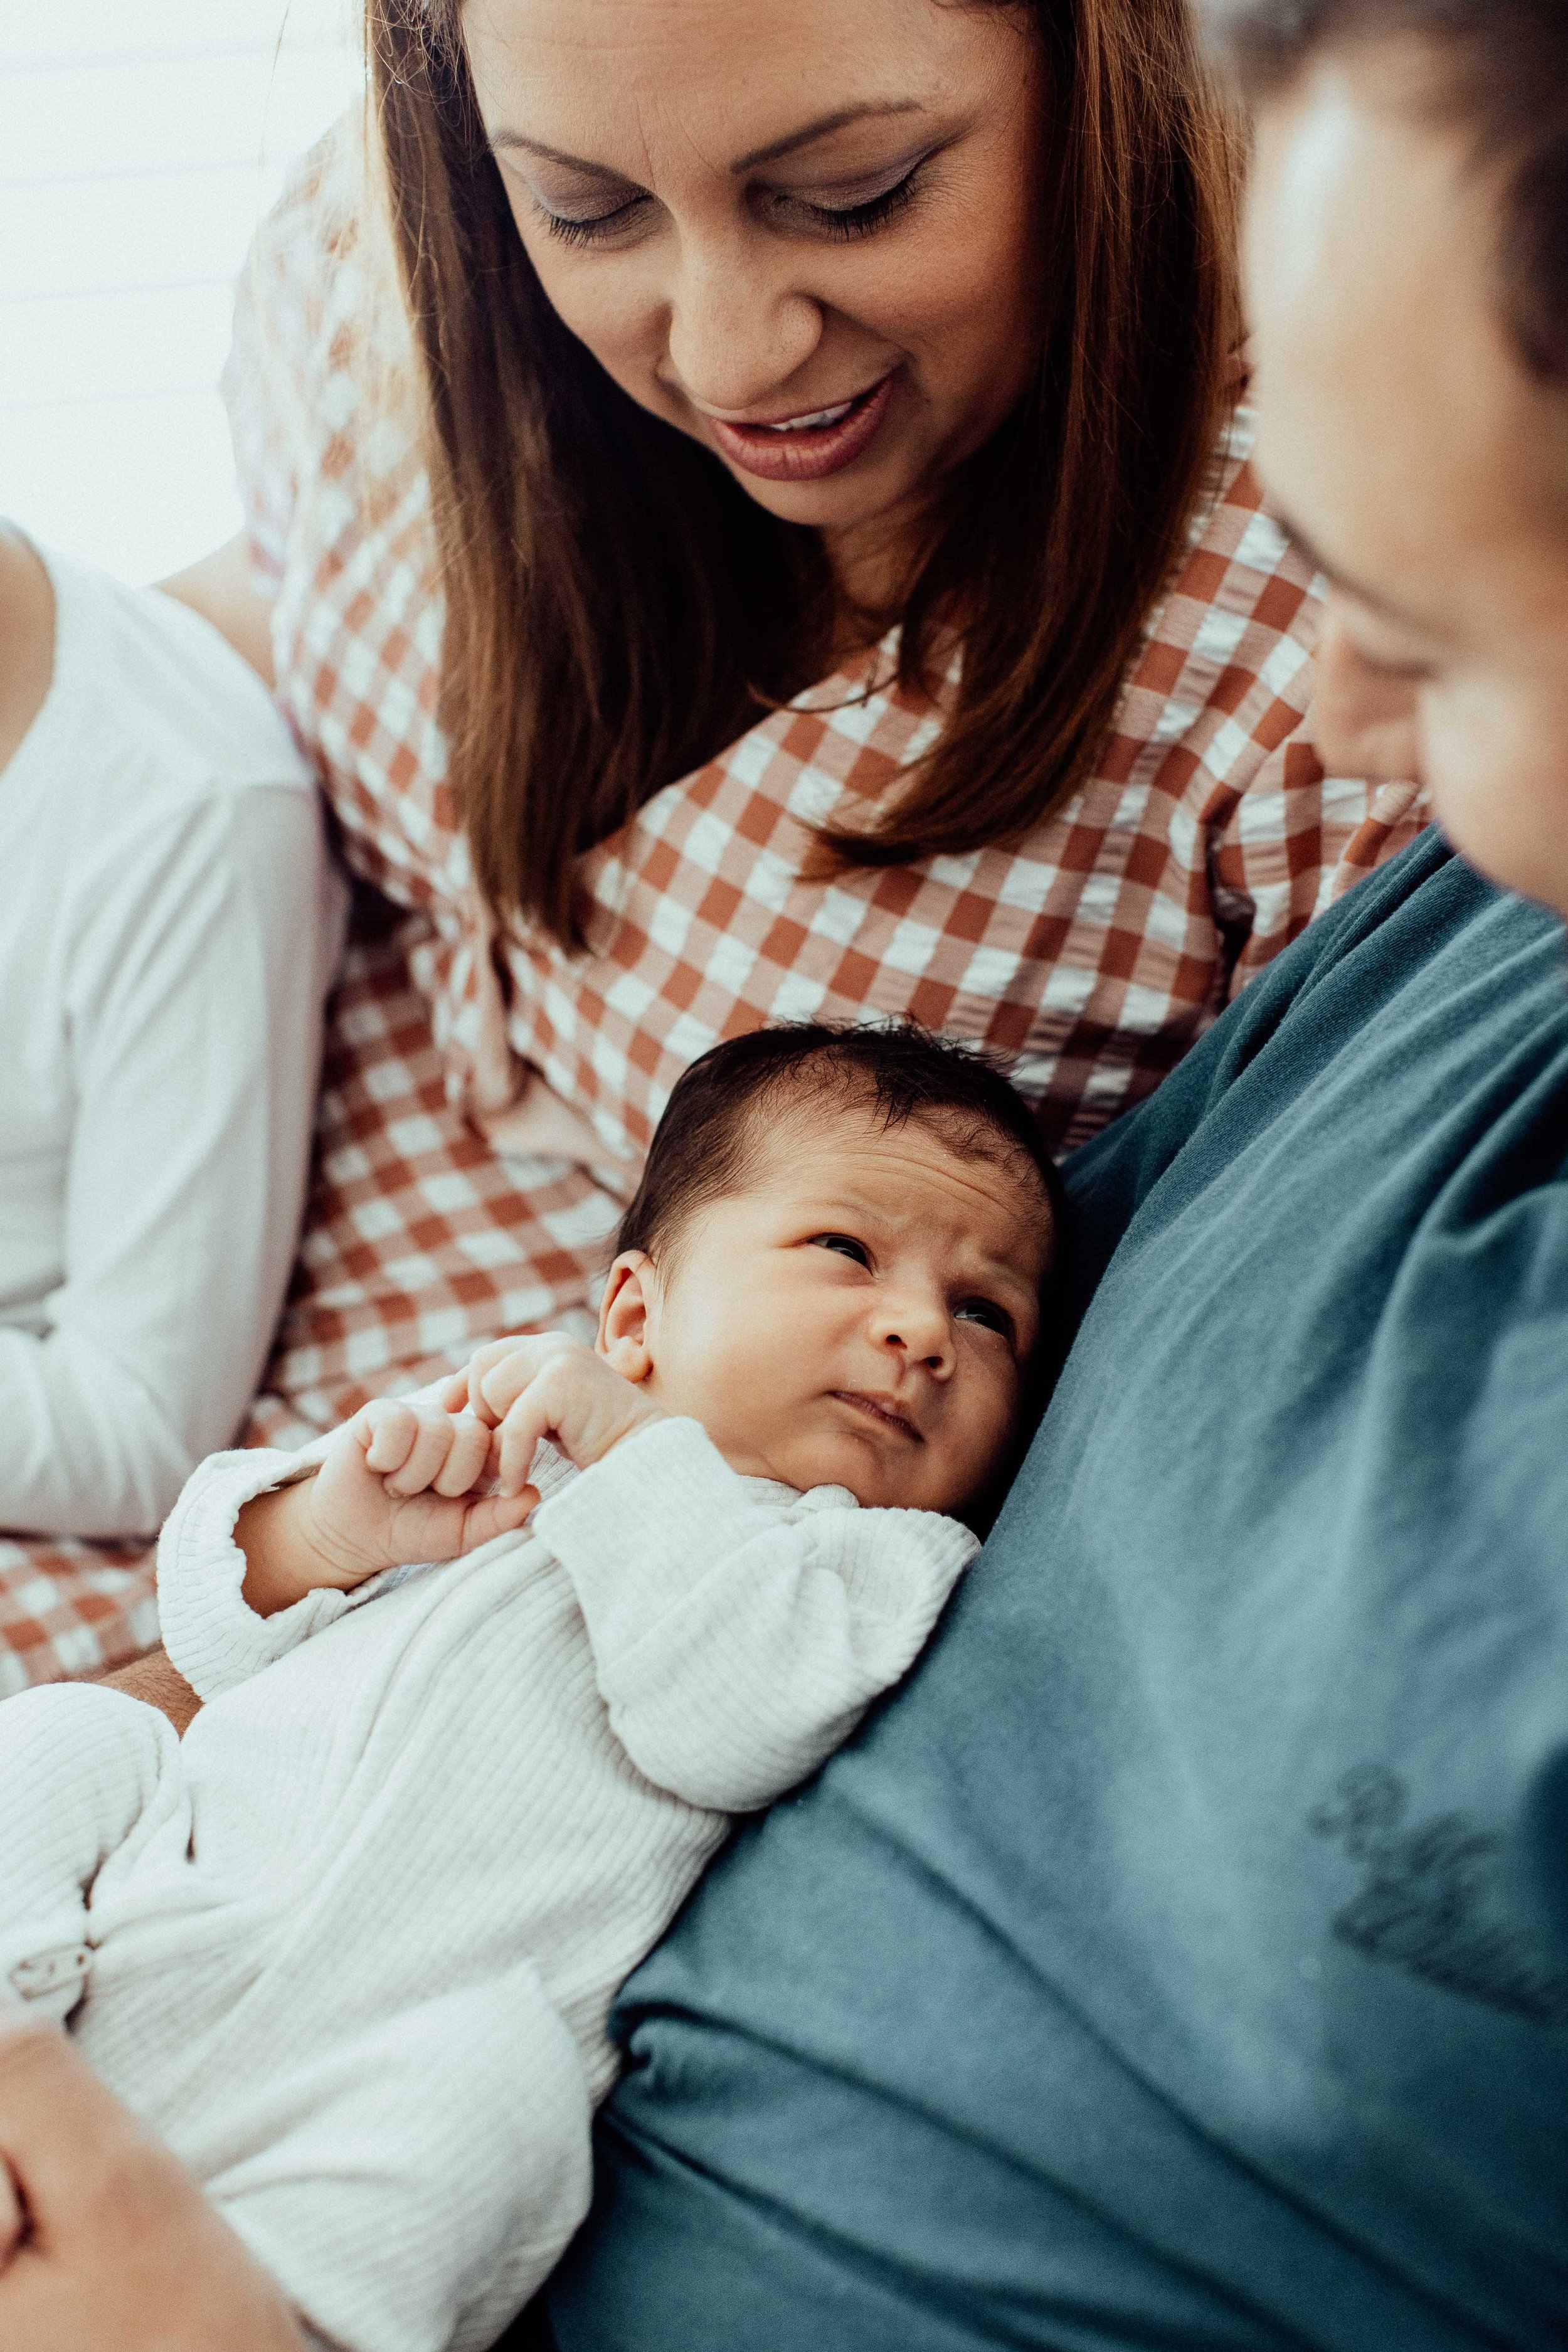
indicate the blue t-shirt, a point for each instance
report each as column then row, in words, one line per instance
column 1181, row 1960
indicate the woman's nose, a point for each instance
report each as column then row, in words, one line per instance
column 1363, row 722
column 736, row 332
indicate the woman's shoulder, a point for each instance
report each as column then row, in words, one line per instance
column 1222, row 679
column 1239, row 569
column 320, row 385
column 317, row 231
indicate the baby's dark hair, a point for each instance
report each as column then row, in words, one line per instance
column 705, row 1142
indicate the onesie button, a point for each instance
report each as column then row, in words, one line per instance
column 49, row 1972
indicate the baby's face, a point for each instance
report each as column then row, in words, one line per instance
column 861, row 1314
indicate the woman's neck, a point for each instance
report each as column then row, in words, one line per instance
column 27, row 641
column 872, row 565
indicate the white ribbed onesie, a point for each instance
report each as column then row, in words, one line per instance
column 350, row 1945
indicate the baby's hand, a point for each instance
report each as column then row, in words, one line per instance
column 550, row 1387
column 397, row 1484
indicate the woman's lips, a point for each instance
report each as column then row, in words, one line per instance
column 802, row 452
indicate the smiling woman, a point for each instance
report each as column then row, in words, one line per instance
column 962, row 360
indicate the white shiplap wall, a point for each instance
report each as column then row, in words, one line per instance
column 139, row 141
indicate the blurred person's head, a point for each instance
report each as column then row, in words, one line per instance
column 1407, row 265
column 752, row 327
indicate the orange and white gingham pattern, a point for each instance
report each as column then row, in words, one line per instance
column 1093, row 952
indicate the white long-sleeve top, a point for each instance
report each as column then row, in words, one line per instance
column 359, row 1973
column 169, row 927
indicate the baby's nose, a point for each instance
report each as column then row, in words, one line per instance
column 916, row 1329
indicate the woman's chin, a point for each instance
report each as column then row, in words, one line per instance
column 848, row 503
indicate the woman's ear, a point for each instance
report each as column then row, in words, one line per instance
column 625, row 1316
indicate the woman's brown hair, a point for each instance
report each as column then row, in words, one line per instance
column 618, row 608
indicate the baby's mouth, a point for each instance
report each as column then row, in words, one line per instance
column 888, row 1414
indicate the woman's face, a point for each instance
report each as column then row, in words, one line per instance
column 1416, row 458
column 807, row 233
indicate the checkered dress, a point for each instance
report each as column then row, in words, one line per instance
column 487, row 1096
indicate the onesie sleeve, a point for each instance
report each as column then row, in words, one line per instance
column 212, row 1635
column 740, row 1631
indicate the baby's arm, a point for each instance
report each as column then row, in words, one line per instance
column 264, row 1549
column 739, row 1635
column 397, row 1484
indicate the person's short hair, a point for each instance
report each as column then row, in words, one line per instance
column 1503, row 73
column 722, row 1106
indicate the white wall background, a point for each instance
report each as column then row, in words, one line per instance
column 139, row 140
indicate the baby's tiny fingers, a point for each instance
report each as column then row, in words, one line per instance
column 393, row 1425
column 426, row 1456
column 499, row 1514
column 465, row 1464
column 477, row 1371
column 519, row 1436
column 528, row 1360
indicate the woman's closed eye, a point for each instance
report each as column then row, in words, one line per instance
column 594, row 228
column 863, row 219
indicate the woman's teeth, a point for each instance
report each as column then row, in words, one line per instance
column 807, row 424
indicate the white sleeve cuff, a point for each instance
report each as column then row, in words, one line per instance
column 654, row 1515
column 212, row 1635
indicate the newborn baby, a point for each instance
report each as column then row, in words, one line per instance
column 352, row 1947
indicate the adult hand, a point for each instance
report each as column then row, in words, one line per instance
column 113, row 2247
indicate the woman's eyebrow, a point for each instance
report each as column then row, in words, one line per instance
column 518, row 139
column 821, row 128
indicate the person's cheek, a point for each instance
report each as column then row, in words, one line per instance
column 1499, row 780
column 955, row 306
column 1453, row 769
column 608, row 300
column 1363, row 722
column 597, row 299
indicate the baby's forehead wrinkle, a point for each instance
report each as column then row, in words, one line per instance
column 871, row 1187
column 852, row 1097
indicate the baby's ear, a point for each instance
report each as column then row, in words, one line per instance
column 625, row 1334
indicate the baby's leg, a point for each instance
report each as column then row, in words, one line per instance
column 81, row 1768
column 410, row 2186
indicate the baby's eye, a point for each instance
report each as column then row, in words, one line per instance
column 986, row 1312
column 844, row 1244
